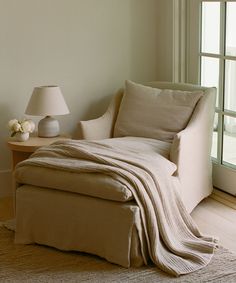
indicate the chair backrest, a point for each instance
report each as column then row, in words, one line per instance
column 103, row 127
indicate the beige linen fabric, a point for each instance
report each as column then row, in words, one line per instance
column 92, row 184
column 154, row 113
column 102, row 127
column 174, row 242
column 191, row 150
column 191, row 147
column 69, row 222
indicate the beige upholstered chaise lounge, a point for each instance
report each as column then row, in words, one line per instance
column 91, row 213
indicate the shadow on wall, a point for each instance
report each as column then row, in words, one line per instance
column 97, row 107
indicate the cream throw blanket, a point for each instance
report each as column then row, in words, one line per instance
column 174, row 242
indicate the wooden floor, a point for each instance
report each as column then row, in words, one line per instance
column 212, row 217
column 215, row 218
column 6, row 208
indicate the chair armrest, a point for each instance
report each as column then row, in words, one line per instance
column 102, row 127
column 191, row 151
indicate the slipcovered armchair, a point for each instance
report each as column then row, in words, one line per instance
column 190, row 149
column 125, row 190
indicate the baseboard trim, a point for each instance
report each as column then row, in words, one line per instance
column 6, row 183
column 224, row 198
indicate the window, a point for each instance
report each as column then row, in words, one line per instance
column 218, row 68
column 211, row 61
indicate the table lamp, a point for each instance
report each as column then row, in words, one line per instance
column 47, row 101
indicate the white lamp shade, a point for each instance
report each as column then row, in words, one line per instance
column 47, row 101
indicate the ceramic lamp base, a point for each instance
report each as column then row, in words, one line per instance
column 48, row 127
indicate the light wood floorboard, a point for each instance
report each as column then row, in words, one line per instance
column 217, row 219
column 212, row 217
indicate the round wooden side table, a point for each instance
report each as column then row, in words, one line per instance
column 22, row 150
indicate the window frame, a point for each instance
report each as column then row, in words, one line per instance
column 224, row 174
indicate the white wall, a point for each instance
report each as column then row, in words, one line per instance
column 151, row 39
column 164, row 40
column 87, row 47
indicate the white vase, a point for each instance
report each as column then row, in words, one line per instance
column 21, row 137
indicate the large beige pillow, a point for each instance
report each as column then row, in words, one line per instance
column 154, row 113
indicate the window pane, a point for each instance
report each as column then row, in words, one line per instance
column 210, row 73
column 230, row 85
column 215, row 137
column 229, row 141
column 230, row 29
column 211, row 27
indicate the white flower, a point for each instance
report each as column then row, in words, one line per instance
column 23, row 126
column 11, row 123
column 16, row 127
column 26, row 126
column 32, row 124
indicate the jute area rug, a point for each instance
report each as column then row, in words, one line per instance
column 34, row 263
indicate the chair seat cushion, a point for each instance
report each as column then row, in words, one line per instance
column 92, row 184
